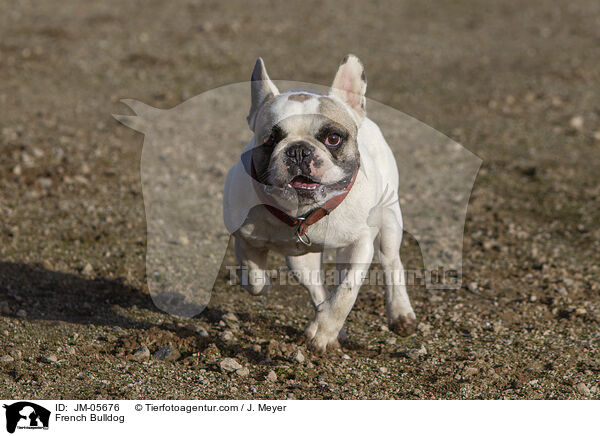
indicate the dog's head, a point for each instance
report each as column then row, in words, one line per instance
column 305, row 142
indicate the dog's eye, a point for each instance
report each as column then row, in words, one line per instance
column 333, row 140
column 271, row 140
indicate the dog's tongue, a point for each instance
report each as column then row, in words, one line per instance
column 301, row 182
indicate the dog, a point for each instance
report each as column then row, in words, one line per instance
column 318, row 174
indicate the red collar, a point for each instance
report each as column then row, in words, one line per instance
column 301, row 223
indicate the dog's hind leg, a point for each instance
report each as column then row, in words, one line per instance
column 400, row 315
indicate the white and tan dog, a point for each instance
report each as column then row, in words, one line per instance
column 318, row 174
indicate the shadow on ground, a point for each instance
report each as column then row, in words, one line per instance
column 33, row 292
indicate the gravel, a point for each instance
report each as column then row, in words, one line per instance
column 73, row 239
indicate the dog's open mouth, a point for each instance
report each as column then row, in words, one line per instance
column 303, row 182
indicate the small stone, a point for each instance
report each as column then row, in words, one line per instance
column 497, row 327
column 183, row 240
column 243, row 372
column 417, row 352
column 286, row 348
column 582, row 389
column 271, row 376
column 230, row 316
column 88, row 270
column 473, row 287
column 230, row 319
column 4, row 308
column 425, row 328
column 391, row 340
column 297, row 356
column 21, row 313
column 596, row 135
column 45, row 182
column 211, row 354
column 230, row 365
column 6, row 358
column 140, row 354
column 273, row 348
column 48, row 358
column 201, row 332
column 530, row 97
column 227, row 336
column 576, row 123
column 383, row 370
column 345, row 357
column 206, row 26
column 167, row 353
column 470, row 371
column 562, row 291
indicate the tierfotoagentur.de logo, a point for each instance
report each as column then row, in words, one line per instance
column 24, row 415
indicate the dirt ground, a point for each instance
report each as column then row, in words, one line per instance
column 514, row 82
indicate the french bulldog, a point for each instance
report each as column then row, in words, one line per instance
column 318, row 174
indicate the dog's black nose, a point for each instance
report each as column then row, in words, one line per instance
column 299, row 151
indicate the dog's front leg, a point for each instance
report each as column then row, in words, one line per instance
column 253, row 264
column 322, row 332
column 308, row 271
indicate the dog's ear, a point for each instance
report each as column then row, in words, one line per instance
column 262, row 88
column 350, row 85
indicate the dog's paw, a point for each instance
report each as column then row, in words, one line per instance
column 319, row 340
column 322, row 343
column 404, row 325
column 257, row 289
column 257, row 285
